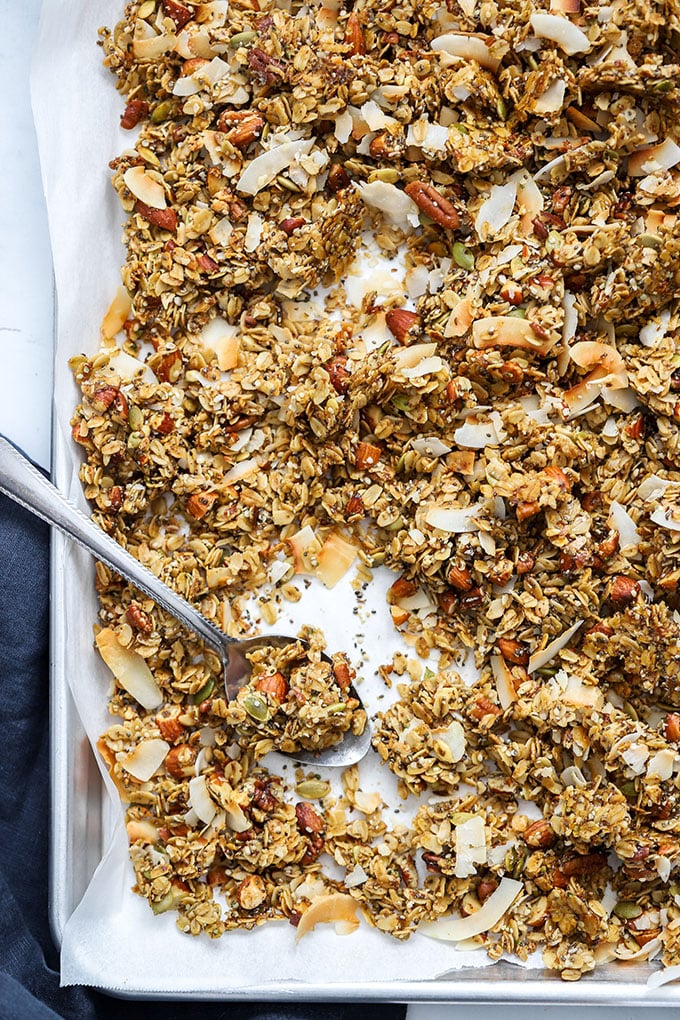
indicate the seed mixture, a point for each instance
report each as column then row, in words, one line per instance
column 501, row 430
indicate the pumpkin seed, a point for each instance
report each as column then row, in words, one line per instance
column 627, row 909
column 161, row 112
column 312, row 789
column 147, row 8
column 205, row 691
column 242, row 39
column 256, row 707
column 462, row 257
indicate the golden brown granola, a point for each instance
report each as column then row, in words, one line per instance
column 500, row 429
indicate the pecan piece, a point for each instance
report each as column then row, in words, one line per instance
column 135, row 111
column 241, row 128
column 485, row 887
column 166, row 219
column 525, row 510
column 168, row 723
column 338, row 178
column 138, row 619
column 179, row 12
column 169, row 367
column 314, row 848
column 354, row 507
column 402, row 588
column 433, row 204
column 672, row 726
column 400, row 322
column 263, row 798
column 268, row 69
column 166, row 425
column 525, row 563
column 512, row 293
column 586, row 864
column 342, row 674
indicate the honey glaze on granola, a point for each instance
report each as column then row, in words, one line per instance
column 499, row 429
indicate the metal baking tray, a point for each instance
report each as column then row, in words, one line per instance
column 82, row 817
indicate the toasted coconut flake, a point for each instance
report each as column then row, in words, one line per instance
column 236, row 818
column 496, row 211
column 624, row 525
column 467, row 47
column 142, row 829
column 153, row 47
column 653, row 488
column 454, row 738
column 144, row 187
column 410, row 357
column 661, row 765
column 508, row 331
column 505, row 685
column 476, row 435
column 200, row 800
column 602, row 357
column 367, row 803
column 305, row 547
column 430, row 446
column 335, row 558
column 241, row 470
column 575, row 692
column 460, row 319
column 398, row 207
column 552, row 99
column 455, row 929
column 457, row 522
column 146, row 758
column 561, row 31
column 529, row 202
column 357, row 876
column 663, row 156
column 118, row 313
column 129, row 669
column 540, row 659
column 662, row 517
column 656, row 329
column 470, row 846
column 262, row 170
column 336, row 908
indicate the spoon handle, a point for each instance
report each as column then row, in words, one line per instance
column 23, row 483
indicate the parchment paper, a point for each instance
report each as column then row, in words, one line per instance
column 113, row 940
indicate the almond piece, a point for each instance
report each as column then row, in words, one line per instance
column 274, row 684
column 199, row 503
column 400, row 322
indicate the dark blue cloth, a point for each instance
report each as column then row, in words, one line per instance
column 29, row 962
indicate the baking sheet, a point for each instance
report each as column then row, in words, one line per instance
column 110, row 939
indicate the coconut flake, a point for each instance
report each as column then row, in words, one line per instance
column 253, row 235
column 624, row 399
column 652, row 488
column 144, row 187
column 409, row 357
column 129, row 669
column 200, row 800
column 455, row 929
column 470, row 846
column 663, row 977
column 650, row 160
column 508, row 331
column 656, row 329
column 505, row 686
column 575, row 692
column 495, row 212
column 241, row 470
column 540, row 659
column 568, row 36
column 663, row 867
column 398, row 207
column 430, row 446
column 661, row 765
column 467, row 47
column 572, row 776
column 663, row 518
column 334, row 559
column 636, row 757
column 624, row 525
column 146, row 758
column 454, row 738
column 117, row 314
column 457, row 522
column 343, row 126
column 335, row 908
column 426, row 366
column 552, row 99
column 476, row 435
column 153, row 46
column 262, row 170
column 357, row 876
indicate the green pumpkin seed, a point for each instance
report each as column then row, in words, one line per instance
column 462, row 257
column 312, row 789
column 161, row 112
column 256, row 707
column 147, row 8
column 242, row 39
column 205, row 691
column 135, row 417
column 627, row 910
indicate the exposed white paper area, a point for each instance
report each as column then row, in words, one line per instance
column 112, row 940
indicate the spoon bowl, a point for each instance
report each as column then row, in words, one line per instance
column 23, row 483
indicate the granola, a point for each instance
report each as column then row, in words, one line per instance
column 499, row 429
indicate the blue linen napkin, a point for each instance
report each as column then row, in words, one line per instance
column 29, row 961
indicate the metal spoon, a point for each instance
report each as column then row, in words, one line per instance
column 23, row 483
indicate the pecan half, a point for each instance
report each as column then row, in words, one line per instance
column 433, row 204
column 342, row 674
column 268, row 69
column 241, row 127
column 672, row 726
column 135, row 111
column 138, row 619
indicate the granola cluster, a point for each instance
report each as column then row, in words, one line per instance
column 500, row 429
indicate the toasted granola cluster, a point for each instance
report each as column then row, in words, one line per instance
column 500, row 428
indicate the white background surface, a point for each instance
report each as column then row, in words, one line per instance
column 26, row 318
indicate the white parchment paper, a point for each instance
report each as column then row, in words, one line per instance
column 112, row 940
